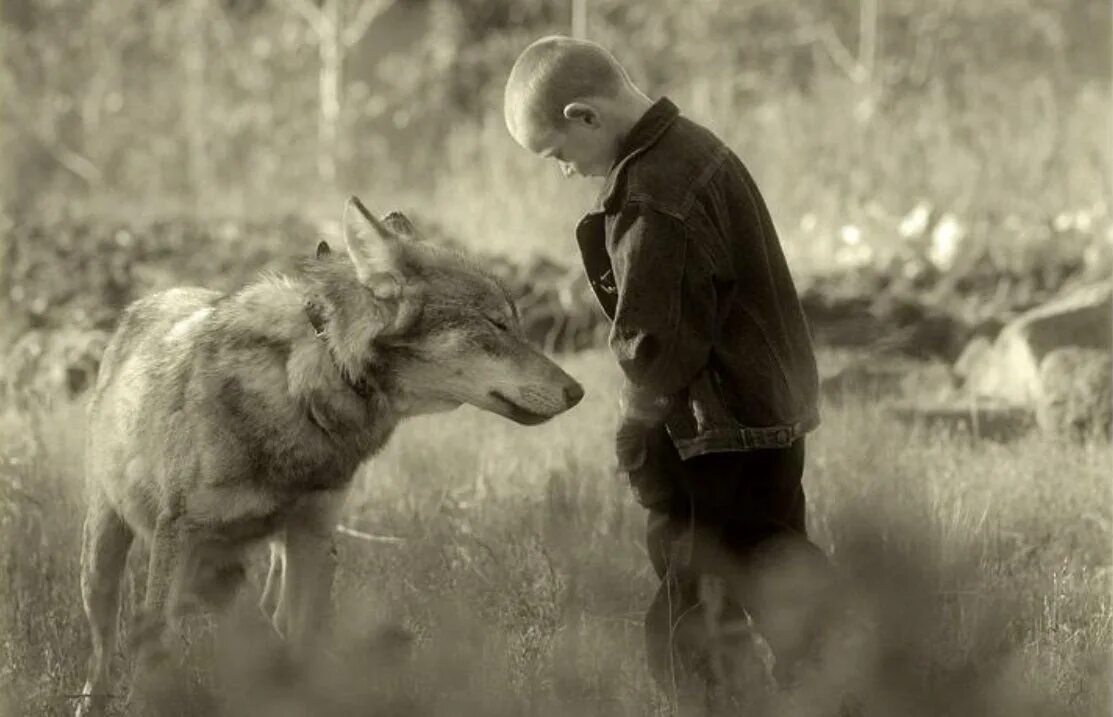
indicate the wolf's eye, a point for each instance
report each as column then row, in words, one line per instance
column 498, row 323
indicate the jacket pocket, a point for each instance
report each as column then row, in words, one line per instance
column 703, row 408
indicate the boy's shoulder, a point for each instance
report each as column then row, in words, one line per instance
column 670, row 173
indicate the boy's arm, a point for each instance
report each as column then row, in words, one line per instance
column 665, row 315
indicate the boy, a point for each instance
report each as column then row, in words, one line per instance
column 721, row 383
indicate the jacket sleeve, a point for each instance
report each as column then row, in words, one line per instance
column 665, row 315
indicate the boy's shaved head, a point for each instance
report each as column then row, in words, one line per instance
column 553, row 72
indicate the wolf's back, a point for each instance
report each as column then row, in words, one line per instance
column 151, row 330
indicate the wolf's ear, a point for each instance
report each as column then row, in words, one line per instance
column 373, row 247
column 401, row 225
column 323, row 249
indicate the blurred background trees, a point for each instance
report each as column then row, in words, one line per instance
column 855, row 115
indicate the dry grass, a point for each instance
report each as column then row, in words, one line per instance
column 981, row 571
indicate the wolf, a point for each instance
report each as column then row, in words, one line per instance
column 220, row 421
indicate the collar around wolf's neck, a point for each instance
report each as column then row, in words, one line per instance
column 364, row 386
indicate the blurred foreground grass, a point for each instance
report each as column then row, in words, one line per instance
column 520, row 573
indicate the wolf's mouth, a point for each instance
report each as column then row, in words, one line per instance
column 515, row 412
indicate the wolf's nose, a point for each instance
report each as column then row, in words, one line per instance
column 573, row 393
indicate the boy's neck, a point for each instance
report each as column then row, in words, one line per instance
column 628, row 111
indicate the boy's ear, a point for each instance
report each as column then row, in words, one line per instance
column 581, row 112
column 372, row 246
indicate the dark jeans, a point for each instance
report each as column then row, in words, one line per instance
column 739, row 517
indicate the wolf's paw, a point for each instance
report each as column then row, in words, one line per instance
column 154, row 643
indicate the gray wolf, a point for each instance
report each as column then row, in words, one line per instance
column 222, row 420
column 683, row 257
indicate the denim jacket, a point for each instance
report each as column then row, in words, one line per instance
column 707, row 327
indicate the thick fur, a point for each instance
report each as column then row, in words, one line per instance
column 219, row 421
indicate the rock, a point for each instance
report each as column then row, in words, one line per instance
column 993, row 421
column 973, row 358
column 892, row 314
column 879, row 380
column 1010, row 369
column 932, row 380
column 863, row 381
column 1076, row 398
column 837, row 308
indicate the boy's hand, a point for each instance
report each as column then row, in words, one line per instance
column 630, row 445
column 645, row 462
column 639, row 413
column 636, row 405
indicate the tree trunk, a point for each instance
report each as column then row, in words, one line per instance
column 196, row 52
column 329, row 84
column 867, row 37
column 579, row 19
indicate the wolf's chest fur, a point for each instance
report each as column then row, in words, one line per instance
column 276, row 442
column 272, row 453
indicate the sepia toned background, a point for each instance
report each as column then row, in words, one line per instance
column 940, row 175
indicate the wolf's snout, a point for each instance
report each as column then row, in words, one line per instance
column 573, row 393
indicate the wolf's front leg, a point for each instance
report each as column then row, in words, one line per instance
column 305, row 605
column 305, row 601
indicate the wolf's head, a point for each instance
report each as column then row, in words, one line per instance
column 430, row 326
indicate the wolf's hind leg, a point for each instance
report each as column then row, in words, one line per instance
column 104, row 549
column 165, row 573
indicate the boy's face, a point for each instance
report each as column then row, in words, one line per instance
column 582, row 146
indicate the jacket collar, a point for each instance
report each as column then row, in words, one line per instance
column 643, row 135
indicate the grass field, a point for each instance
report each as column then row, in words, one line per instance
column 983, row 571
